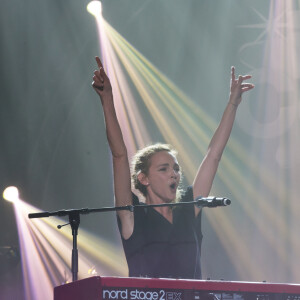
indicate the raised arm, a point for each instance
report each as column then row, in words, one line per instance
column 121, row 169
column 204, row 178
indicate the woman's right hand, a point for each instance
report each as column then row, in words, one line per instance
column 101, row 82
column 122, row 182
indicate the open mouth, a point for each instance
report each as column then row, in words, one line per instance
column 173, row 187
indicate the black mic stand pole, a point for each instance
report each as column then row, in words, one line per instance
column 74, row 219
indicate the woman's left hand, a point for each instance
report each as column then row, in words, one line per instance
column 238, row 87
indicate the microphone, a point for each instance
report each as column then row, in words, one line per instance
column 211, row 201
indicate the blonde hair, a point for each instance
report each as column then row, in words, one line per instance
column 141, row 163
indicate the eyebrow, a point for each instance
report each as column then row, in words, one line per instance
column 163, row 165
column 167, row 164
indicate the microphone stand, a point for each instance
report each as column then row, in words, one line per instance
column 74, row 221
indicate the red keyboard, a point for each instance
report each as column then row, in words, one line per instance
column 117, row 288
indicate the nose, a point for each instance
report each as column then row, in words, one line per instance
column 174, row 174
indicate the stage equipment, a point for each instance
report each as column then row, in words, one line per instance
column 116, row 288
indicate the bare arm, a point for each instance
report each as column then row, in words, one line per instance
column 121, row 169
column 206, row 173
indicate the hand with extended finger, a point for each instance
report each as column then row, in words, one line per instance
column 101, row 82
column 238, row 87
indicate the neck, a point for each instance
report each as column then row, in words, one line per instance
column 165, row 211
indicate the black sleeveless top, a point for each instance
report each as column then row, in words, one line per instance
column 160, row 249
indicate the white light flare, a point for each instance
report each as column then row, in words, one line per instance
column 11, row 194
column 95, row 8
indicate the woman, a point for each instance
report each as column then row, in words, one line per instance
column 161, row 241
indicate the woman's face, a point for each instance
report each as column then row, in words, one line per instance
column 163, row 177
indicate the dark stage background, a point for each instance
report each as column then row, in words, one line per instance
column 53, row 143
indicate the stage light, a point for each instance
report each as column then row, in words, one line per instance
column 95, row 8
column 11, row 194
